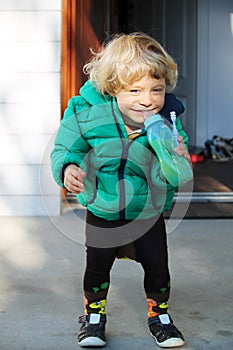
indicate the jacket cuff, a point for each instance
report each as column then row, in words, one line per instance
column 62, row 174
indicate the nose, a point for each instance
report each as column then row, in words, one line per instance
column 146, row 100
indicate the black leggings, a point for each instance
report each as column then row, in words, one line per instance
column 150, row 250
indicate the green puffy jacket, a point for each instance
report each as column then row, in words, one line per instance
column 123, row 177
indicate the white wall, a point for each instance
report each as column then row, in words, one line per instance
column 215, row 70
column 30, row 39
column 221, row 68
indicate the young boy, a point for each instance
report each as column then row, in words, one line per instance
column 102, row 154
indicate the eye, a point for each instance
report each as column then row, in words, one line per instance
column 134, row 91
column 158, row 90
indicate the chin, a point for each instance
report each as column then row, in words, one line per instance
column 137, row 119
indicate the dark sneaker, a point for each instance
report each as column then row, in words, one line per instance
column 164, row 332
column 92, row 331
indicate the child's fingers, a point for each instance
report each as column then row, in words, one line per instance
column 73, row 179
column 180, row 139
column 181, row 151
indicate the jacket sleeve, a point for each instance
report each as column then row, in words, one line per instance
column 181, row 131
column 170, row 189
column 173, row 104
column 75, row 105
column 70, row 146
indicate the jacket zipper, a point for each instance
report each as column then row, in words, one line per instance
column 124, row 155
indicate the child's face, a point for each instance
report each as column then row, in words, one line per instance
column 145, row 95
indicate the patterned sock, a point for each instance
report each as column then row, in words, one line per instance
column 95, row 299
column 156, row 308
column 97, row 307
column 158, row 301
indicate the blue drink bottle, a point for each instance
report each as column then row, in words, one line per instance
column 176, row 169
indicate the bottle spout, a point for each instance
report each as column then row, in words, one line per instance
column 148, row 114
column 173, row 116
column 152, row 119
column 174, row 131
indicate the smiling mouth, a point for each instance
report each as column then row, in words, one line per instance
column 142, row 111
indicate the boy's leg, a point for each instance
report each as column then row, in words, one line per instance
column 151, row 252
column 96, row 284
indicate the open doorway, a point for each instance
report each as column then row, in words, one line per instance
column 174, row 24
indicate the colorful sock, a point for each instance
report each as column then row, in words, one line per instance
column 96, row 307
column 95, row 299
column 156, row 308
column 158, row 301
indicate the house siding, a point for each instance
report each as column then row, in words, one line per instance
column 214, row 73
column 30, row 38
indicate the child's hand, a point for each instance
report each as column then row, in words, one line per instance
column 181, row 149
column 73, row 179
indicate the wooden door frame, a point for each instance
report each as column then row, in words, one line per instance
column 68, row 52
column 81, row 30
column 77, row 37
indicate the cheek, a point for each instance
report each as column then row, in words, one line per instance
column 160, row 100
column 124, row 102
column 122, row 107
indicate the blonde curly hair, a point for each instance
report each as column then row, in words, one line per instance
column 126, row 59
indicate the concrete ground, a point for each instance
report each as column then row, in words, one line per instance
column 42, row 262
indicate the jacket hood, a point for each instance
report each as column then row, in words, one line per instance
column 92, row 96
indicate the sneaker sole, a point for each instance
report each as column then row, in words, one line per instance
column 92, row 342
column 170, row 343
